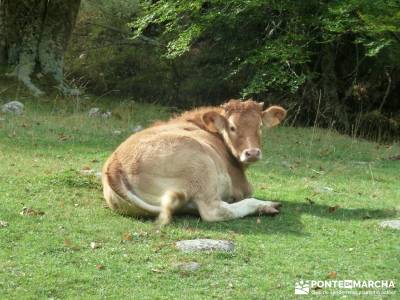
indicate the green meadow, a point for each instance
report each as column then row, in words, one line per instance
column 335, row 190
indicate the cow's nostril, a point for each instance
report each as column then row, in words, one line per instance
column 252, row 153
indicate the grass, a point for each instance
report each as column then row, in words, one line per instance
column 334, row 189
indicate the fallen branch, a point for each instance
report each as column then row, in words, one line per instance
column 142, row 37
column 387, row 91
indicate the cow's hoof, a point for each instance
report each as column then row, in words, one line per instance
column 269, row 209
column 276, row 205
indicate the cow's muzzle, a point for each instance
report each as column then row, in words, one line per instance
column 250, row 155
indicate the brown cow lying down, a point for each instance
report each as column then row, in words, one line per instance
column 193, row 163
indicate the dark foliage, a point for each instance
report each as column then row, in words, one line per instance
column 330, row 63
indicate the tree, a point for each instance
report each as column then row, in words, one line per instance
column 325, row 58
column 33, row 38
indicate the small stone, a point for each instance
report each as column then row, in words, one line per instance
column 91, row 172
column 205, row 245
column 87, row 172
column 287, row 164
column 323, row 189
column 95, row 245
column 13, row 107
column 394, row 224
column 28, row 211
column 106, row 115
column 3, row 224
column 94, row 112
column 137, row 128
column 117, row 132
column 73, row 92
column 188, row 267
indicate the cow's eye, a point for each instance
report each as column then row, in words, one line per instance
column 233, row 129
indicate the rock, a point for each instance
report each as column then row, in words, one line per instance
column 394, row 224
column 94, row 112
column 323, row 189
column 95, row 245
column 205, row 245
column 106, row 115
column 3, row 224
column 188, row 267
column 28, row 211
column 287, row 164
column 13, row 107
column 137, row 128
column 117, row 132
column 73, row 92
column 91, row 172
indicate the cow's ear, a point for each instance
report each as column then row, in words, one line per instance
column 214, row 121
column 273, row 115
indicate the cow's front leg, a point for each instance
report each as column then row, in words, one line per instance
column 220, row 211
column 251, row 206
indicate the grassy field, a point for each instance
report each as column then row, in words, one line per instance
column 335, row 190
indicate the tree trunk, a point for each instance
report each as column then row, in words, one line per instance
column 330, row 85
column 3, row 50
column 34, row 36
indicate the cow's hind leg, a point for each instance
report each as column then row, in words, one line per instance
column 220, row 211
column 170, row 202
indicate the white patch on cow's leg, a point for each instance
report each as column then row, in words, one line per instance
column 170, row 202
column 270, row 203
column 221, row 211
column 250, row 206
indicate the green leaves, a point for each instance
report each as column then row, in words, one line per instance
column 374, row 23
column 269, row 45
column 183, row 42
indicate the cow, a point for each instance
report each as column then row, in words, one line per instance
column 195, row 162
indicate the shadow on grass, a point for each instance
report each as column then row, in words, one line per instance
column 288, row 221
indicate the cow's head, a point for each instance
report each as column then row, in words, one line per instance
column 240, row 124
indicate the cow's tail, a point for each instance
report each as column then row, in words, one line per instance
column 119, row 184
column 139, row 202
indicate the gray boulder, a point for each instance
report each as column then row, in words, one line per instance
column 13, row 107
column 394, row 224
column 188, row 267
column 106, row 115
column 94, row 112
column 205, row 245
column 137, row 128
